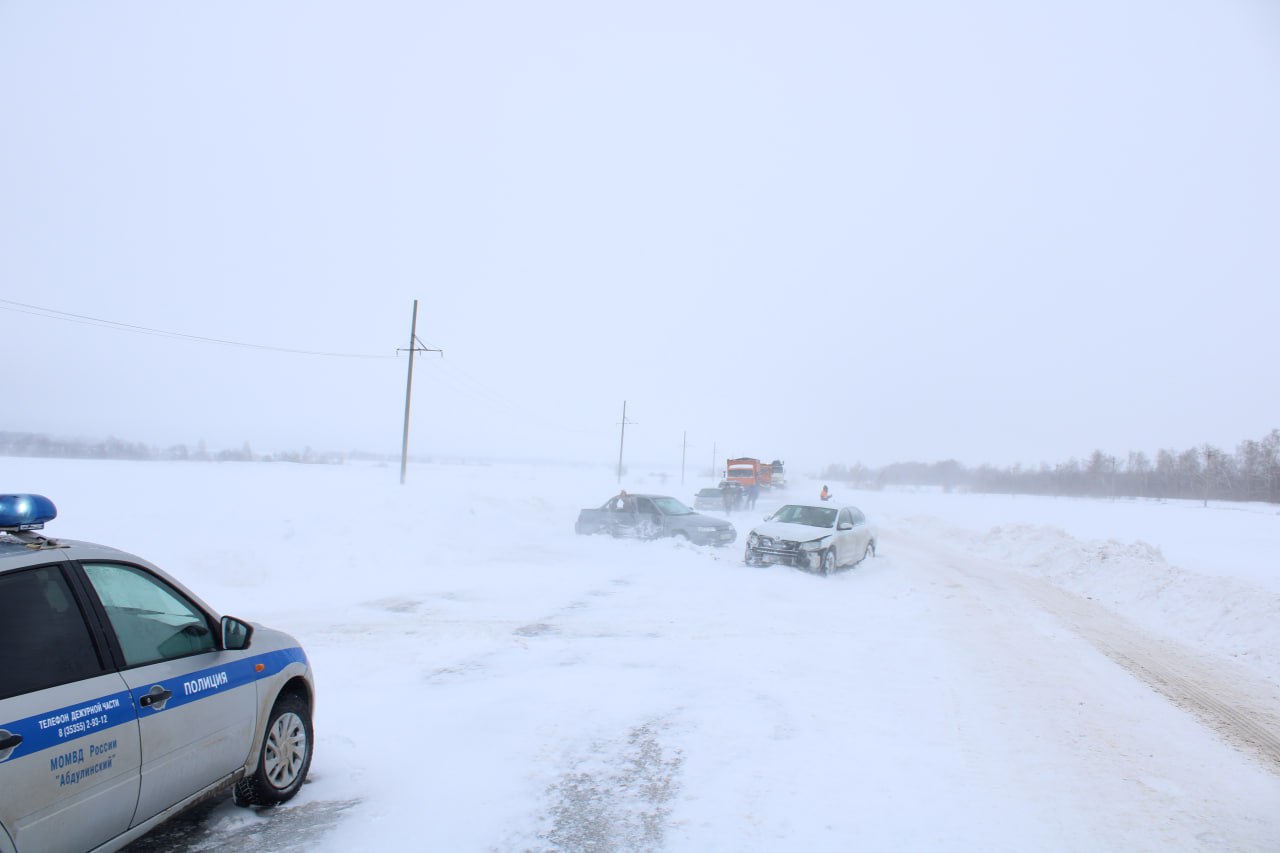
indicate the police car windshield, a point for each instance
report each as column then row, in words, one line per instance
column 671, row 506
column 813, row 516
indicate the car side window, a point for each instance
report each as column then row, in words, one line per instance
column 44, row 639
column 858, row 517
column 845, row 518
column 646, row 506
column 152, row 621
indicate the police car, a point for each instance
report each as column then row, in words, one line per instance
column 125, row 699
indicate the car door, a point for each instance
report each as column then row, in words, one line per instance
column 863, row 534
column 196, row 704
column 846, row 537
column 69, row 739
column 619, row 515
column 649, row 519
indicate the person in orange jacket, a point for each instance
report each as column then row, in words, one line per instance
column 826, row 495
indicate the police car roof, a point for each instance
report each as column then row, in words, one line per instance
column 14, row 550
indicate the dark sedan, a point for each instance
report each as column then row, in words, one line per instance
column 653, row 516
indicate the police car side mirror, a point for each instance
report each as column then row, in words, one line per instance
column 846, row 525
column 235, row 634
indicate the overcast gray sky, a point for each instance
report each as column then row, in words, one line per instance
column 995, row 231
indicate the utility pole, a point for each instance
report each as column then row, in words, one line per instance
column 622, row 439
column 713, row 460
column 415, row 345
column 684, row 447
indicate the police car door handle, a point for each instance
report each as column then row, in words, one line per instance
column 154, row 697
column 10, row 742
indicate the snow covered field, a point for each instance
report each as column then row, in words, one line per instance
column 1010, row 674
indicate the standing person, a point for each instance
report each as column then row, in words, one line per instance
column 826, row 495
column 753, row 492
column 727, row 491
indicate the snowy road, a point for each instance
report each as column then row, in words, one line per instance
column 1011, row 674
column 589, row 694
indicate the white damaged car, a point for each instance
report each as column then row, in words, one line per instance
column 819, row 538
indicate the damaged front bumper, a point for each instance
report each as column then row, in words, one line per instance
column 764, row 550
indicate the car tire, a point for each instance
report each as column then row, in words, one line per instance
column 828, row 564
column 285, row 758
column 871, row 550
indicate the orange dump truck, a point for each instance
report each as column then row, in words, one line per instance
column 746, row 472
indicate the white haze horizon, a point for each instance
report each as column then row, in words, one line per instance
column 695, row 463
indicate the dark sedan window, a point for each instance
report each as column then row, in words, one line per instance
column 671, row 506
column 44, row 640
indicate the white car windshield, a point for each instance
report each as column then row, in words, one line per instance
column 813, row 516
column 671, row 506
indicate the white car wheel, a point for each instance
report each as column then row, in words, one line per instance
column 285, row 757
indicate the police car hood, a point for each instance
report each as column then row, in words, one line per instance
column 266, row 639
column 791, row 531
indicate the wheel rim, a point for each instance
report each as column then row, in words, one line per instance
column 286, row 750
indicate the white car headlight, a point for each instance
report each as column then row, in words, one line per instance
column 707, row 529
column 814, row 544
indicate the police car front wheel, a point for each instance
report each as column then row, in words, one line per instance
column 285, row 758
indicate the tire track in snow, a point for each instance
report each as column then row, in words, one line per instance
column 616, row 799
column 1242, row 709
column 1238, row 711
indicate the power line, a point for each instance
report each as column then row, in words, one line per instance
column 67, row 316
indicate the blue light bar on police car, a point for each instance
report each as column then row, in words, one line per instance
column 25, row 512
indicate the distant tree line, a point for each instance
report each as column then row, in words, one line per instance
column 38, row 444
column 1251, row 473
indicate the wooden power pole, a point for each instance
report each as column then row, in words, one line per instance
column 415, row 346
column 622, row 439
